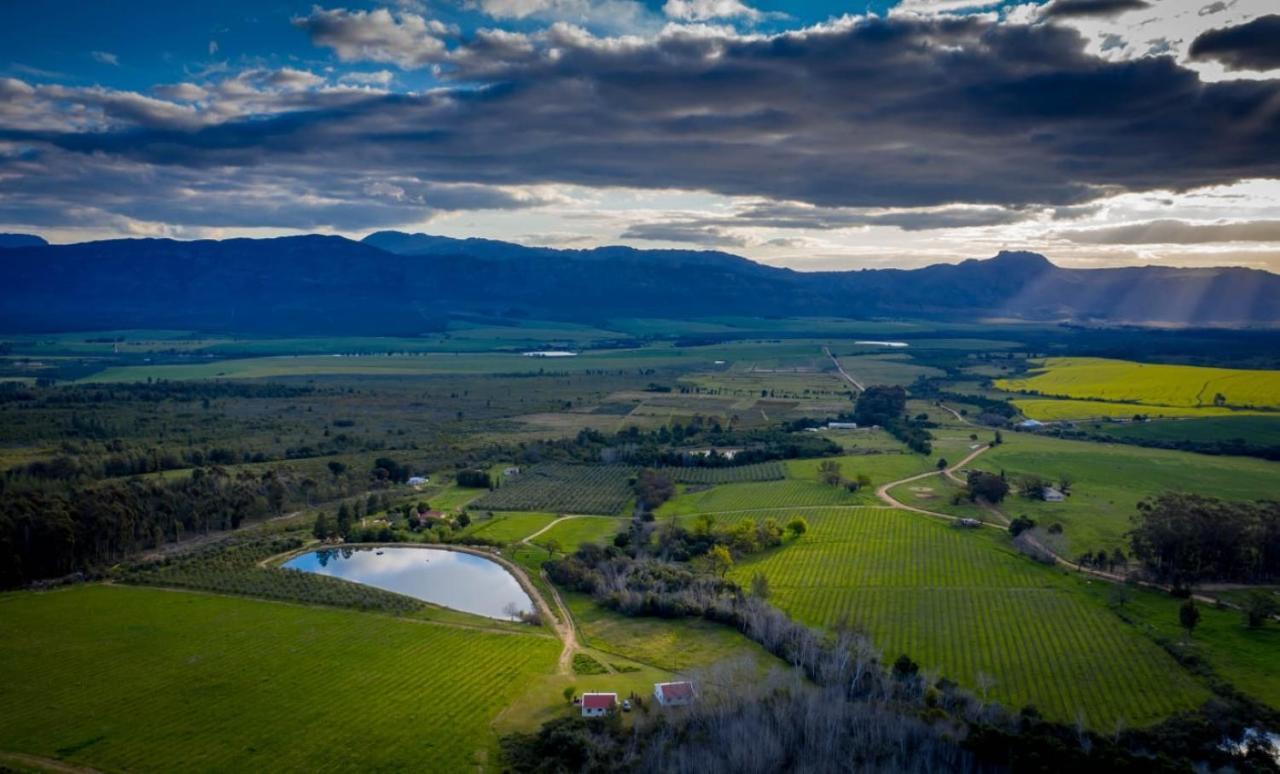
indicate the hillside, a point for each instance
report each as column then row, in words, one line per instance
column 408, row 283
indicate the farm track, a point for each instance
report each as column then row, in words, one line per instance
column 843, row 373
column 563, row 623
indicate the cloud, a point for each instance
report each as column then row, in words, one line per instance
column 686, row 233
column 617, row 16
column 914, row 122
column 381, row 78
column 1064, row 9
column 1179, row 232
column 1254, row 45
column 704, row 10
column 105, row 57
column 213, row 47
column 406, row 40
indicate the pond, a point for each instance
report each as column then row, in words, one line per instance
column 461, row 581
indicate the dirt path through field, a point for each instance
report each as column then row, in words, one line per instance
column 44, row 764
column 843, row 373
column 562, row 622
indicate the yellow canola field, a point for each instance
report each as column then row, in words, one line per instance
column 1150, row 384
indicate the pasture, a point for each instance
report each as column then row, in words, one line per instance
column 138, row 679
column 1056, row 410
column 576, row 530
column 964, row 603
column 1150, row 384
column 1109, row 480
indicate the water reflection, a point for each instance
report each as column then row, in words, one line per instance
column 453, row 579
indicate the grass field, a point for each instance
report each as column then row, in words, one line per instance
column 1257, row 430
column 965, row 604
column 509, row 527
column 575, row 531
column 146, row 680
column 673, row 645
column 1150, row 384
column 1055, row 410
column 1109, row 480
column 1247, row 658
column 885, row 369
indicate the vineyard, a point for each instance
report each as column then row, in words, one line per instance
column 982, row 615
column 557, row 488
column 134, row 679
column 760, row 471
column 774, row 494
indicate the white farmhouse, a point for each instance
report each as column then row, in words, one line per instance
column 679, row 694
column 595, row 705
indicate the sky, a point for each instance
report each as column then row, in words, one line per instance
column 823, row 135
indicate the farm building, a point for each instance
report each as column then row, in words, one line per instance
column 1052, row 495
column 513, row 471
column 842, row 425
column 1030, row 424
column 971, row 523
column 418, row 480
column 679, row 694
column 596, row 705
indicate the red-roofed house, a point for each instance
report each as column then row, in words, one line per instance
column 674, row 694
column 595, row 705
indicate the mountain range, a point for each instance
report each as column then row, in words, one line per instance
column 397, row 283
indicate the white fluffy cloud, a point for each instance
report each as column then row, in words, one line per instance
column 705, row 10
column 406, row 40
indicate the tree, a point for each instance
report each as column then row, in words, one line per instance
column 322, row 530
column 997, row 439
column 721, row 560
column 829, row 473
column 337, row 468
column 760, row 586
column 653, row 488
column 344, row 521
column 880, row 405
column 474, row 479
column 1260, row 606
column 797, row 526
column 1189, row 616
column 1064, row 483
column 989, row 487
column 905, row 667
column 1020, row 525
column 942, row 463
column 568, row 693
column 464, row 519
column 552, row 546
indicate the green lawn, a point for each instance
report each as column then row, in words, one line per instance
column 147, row 680
column 963, row 602
column 1109, row 480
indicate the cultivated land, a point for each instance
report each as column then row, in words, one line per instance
column 79, row 667
column 1150, row 384
column 145, row 679
column 1110, row 480
column 965, row 603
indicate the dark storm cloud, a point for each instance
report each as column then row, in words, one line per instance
column 1251, row 46
column 1064, row 9
column 879, row 113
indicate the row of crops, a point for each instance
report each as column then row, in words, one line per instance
column 605, row 489
column 137, row 679
column 760, row 471
column 960, row 602
column 558, row 488
column 232, row 568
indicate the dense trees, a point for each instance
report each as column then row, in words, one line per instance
column 652, row 489
column 1183, row 539
column 886, row 407
column 475, row 479
column 988, row 486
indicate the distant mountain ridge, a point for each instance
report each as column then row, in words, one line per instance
column 396, row 283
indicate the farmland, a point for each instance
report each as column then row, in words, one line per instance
column 141, row 679
column 965, row 604
column 1150, row 384
column 1108, row 482
column 1055, row 410
column 560, row 488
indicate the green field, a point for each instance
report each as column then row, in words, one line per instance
column 966, row 604
column 576, row 530
column 885, row 369
column 673, row 645
column 1256, row 430
column 1054, row 410
column 147, row 680
column 598, row 489
column 1109, row 480
column 1150, row 384
column 508, row 527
